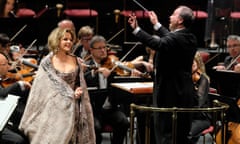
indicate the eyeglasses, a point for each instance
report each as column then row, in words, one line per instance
column 100, row 48
column 86, row 38
column 233, row 46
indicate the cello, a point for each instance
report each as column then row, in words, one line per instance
column 232, row 134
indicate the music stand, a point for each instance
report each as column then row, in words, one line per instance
column 97, row 97
column 228, row 83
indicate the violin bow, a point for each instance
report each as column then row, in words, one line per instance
column 230, row 65
column 13, row 37
column 115, row 35
column 121, row 60
column 30, row 46
column 213, row 57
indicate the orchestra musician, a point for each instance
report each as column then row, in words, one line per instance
column 173, row 85
column 109, row 111
column 12, row 76
column 10, row 134
column 67, row 23
column 4, row 44
column 201, row 120
column 231, row 62
column 7, row 8
column 82, row 47
column 25, row 66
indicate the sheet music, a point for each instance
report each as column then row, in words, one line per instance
column 7, row 106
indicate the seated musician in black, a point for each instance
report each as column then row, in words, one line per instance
column 106, row 112
column 202, row 120
column 10, row 134
column 231, row 62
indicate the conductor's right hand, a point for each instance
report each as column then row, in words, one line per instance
column 133, row 21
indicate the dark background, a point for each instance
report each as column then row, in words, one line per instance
column 39, row 28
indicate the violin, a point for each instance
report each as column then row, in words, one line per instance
column 234, row 62
column 29, row 64
column 11, row 78
column 232, row 136
column 23, row 72
column 196, row 75
column 111, row 62
column 121, row 69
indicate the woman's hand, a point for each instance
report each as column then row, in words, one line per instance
column 78, row 92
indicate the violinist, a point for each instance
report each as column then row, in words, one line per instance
column 82, row 47
column 23, row 68
column 7, row 8
column 108, row 111
column 4, row 44
column 201, row 82
column 20, row 88
column 232, row 60
column 16, row 52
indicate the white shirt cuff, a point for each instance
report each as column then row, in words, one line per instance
column 21, row 83
column 93, row 73
column 136, row 30
column 157, row 26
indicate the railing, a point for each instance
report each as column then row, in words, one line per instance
column 218, row 108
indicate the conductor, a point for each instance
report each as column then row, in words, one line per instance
column 173, row 86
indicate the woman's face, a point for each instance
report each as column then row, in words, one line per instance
column 194, row 66
column 66, row 42
column 9, row 6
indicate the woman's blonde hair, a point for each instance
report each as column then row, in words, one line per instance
column 55, row 37
column 201, row 65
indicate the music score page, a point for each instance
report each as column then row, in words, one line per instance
column 7, row 106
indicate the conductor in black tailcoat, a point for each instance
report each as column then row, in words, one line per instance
column 173, row 86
